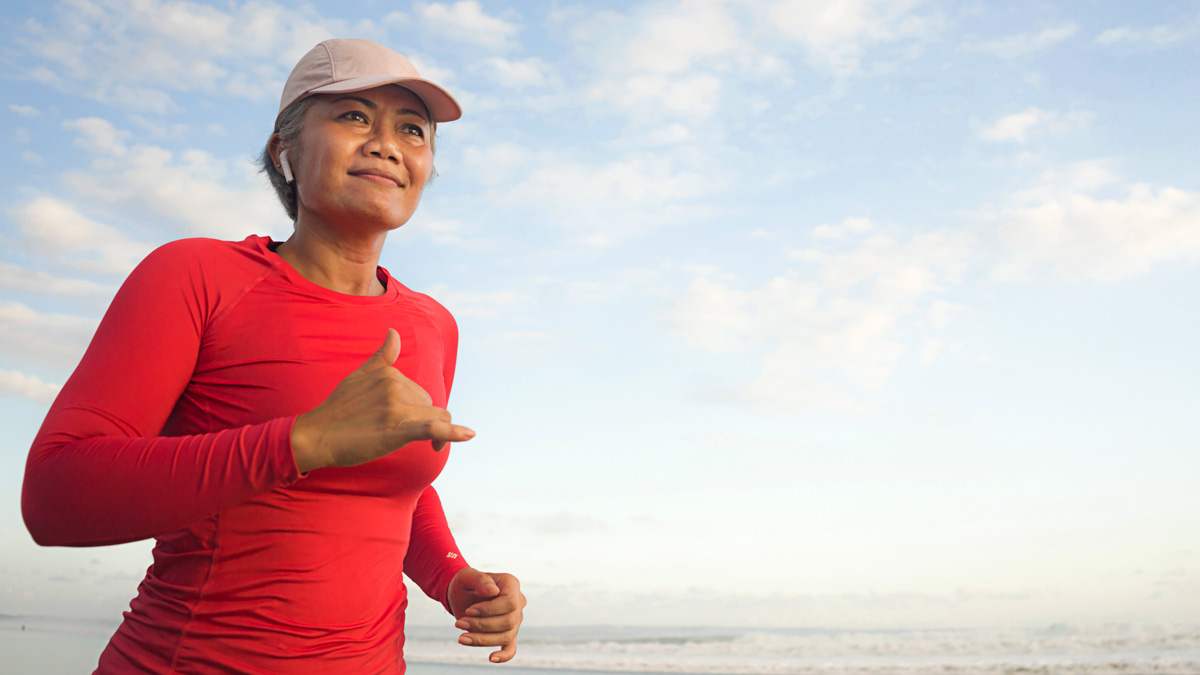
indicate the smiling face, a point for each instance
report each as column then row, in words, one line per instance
column 362, row 158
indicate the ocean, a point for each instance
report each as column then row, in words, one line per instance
column 50, row 645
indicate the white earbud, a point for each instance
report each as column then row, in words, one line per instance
column 283, row 164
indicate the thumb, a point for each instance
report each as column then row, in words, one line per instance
column 385, row 355
column 481, row 583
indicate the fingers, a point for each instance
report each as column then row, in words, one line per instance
column 506, row 640
column 505, row 654
column 488, row 624
column 440, row 431
column 504, row 604
column 493, row 622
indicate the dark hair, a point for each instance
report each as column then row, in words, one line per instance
column 288, row 125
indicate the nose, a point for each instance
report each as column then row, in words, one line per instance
column 383, row 145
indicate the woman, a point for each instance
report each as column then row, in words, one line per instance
column 273, row 413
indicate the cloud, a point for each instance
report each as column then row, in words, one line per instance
column 1019, row 126
column 98, row 136
column 473, row 304
column 54, row 340
column 467, row 22
column 848, row 226
column 1022, row 44
column 560, row 524
column 837, row 34
column 608, row 203
column 1068, row 226
column 829, row 327
column 100, row 49
column 684, row 59
column 190, row 193
column 14, row 383
column 1159, row 36
column 659, row 62
column 14, row 277
column 675, row 39
column 56, row 229
column 692, row 96
column 531, row 72
column 24, row 110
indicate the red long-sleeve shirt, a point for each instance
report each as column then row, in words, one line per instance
column 177, row 425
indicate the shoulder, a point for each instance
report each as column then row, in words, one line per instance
column 205, row 259
column 437, row 312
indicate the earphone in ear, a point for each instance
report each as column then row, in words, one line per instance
column 283, row 164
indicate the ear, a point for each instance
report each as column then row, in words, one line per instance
column 279, row 157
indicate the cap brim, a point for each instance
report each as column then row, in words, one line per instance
column 442, row 106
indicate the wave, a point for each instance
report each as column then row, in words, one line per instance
column 1059, row 648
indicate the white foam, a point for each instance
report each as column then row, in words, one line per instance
column 1091, row 650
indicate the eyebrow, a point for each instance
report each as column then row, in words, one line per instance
column 372, row 106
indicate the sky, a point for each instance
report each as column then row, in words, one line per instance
column 862, row 313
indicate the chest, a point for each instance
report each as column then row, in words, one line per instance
column 273, row 356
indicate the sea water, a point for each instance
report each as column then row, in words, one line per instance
column 50, row 645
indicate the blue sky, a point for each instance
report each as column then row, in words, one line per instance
column 863, row 313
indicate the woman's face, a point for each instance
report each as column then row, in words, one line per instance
column 363, row 158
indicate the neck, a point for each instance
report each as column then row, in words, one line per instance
column 345, row 264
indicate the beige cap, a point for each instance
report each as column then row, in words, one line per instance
column 339, row 66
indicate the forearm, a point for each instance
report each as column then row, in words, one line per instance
column 113, row 489
column 433, row 556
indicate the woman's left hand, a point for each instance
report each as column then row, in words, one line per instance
column 490, row 608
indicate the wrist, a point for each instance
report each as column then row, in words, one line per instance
column 305, row 447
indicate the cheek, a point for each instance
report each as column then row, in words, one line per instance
column 420, row 165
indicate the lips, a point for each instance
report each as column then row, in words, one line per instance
column 378, row 176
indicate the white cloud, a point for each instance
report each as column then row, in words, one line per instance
column 1019, row 126
column 847, row 226
column 440, row 230
column 676, row 38
column 473, row 304
column 610, row 202
column 31, row 157
column 497, row 163
column 1022, row 44
column 656, row 97
column 1160, row 36
column 101, row 49
column 22, row 135
column 467, row 22
column 1066, row 225
column 838, row 33
column 15, row 383
column 14, row 277
column 55, row 229
column 531, row 72
column 98, row 136
column 679, row 59
column 560, row 524
column 826, row 329
column 190, row 193
column 54, row 340
column 24, row 110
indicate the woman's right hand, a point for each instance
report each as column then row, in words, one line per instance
column 373, row 412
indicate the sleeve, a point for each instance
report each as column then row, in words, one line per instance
column 433, row 557
column 98, row 473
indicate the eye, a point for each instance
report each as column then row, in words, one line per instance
column 414, row 130
column 356, row 115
